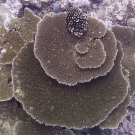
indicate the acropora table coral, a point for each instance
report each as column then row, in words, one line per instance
column 65, row 80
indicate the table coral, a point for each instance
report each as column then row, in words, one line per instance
column 26, row 25
column 116, row 116
column 10, row 113
column 10, row 43
column 123, row 34
column 6, row 92
column 13, row 118
column 55, row 49
column 94, row 57
column 82, row 105
column 101, row 100
column 129, row 51
column 33, row 128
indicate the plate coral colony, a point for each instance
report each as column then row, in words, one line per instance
column 67, row 70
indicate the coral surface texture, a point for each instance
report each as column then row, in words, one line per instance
column 67, row 67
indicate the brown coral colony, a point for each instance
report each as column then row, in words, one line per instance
column 63, row 50
column 77, row 69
